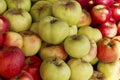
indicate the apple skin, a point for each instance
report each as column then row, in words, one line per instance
column 77, row 46
column 108, row 50
column 1, row 40
column 67, row 10
column 91, row 33
column 10, row 64
column 23, row 4
column 32, row 66
column 31, row 43
column 80, row 70
column 110, row 70
column 85, row 19
column 3, row 6
column 48, row 50
column 41, row 9
column 60, row 69
column 23, row 21
column 34, row 27
column 118, row 28
column 53, row 30
column 13, row 39
column 73, row 30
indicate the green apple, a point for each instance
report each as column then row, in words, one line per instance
column 41, row 9
column 94, row 61
column 80, row 70
column 77, row 46
column 54, row 69
column 20, row 20
column 110, row 70
column 67, row 10
column 23, row 4
column 91, row 33
column 53, row 30
column 3, row 6
column 34, row 27
column 73, row 30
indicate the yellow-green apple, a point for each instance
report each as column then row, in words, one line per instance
column 41, row 9
column 32, row 66
column 67, row 10
column 48, row 50
column 85, row 19
column 4, row 24
column 31, row 43
column 54, row 69
column 12, row 61
column 73, row 30
column 34, row 27
column 53, row 30
column 20, row 20
column 77, row 46
column 94, row 61
column 23, row 75
column 110, row 70
column 92, row 53
column 3, row 6
column 108, row 50
column 52, row 1
column 13, row 39
column 23, row 4
column 80, row 70
column 91, row 32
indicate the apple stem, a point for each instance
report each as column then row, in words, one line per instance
column 56, row 62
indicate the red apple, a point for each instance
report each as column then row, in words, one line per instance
column 116, row 11
column 4, row 24
column 32, row 66
column 108, row 29
column 118, row 28
column 108, row 50
column 100, row 13
column 90, row 5
column 117, row 1
column 1, row 40
column 104, row 2
column 24, row 75
column 12, row 61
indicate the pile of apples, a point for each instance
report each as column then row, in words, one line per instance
column 59, row 39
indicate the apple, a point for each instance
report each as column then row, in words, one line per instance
column 12, row 61
column 31, row 43
column 110, row 70
column 20, row 20
column 23, row 75
column 108, row 50
column 41, row 9
column 91, row 33
column 94, row 61
column 92, row 53
column 53, row 30
column 115, row 11
column 23, row 4
column 4, row 25
column 34, row 27
column 108, row 29
column 117, row 1
column 32, row 66
column 49, row 50
column 77, row 46
column 1, row 40
column 83, row 3
column 54, row 69
column 67, row 10
column 13, row 39
column 118, row 28
column 100, row 13
column 90, row 5
column 3, row 6
column 85, row 20
column 104, row 2
column 80, row 70
column 73, row 30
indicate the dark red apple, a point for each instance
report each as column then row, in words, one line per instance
column 32, row 66
column 117, row 1
column 1, row 40
column 90, row 5
column 100, row 14
column 12, row 61
column 108, row 50
column 104, row 2
column 116, row 11
column 83, row 3
column 4, row 24
column 108, row 29
column 118, row 28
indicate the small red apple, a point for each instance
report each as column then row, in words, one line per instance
column 32, row 66
column 4, row 24
column 12, row 61
column 108, row 50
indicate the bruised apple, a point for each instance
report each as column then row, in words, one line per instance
column 54, row 69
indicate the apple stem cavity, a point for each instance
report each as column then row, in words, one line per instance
column 53, row 21
column 76, row 37
column 57, row 62
column 16, row 11
column 69, row 4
